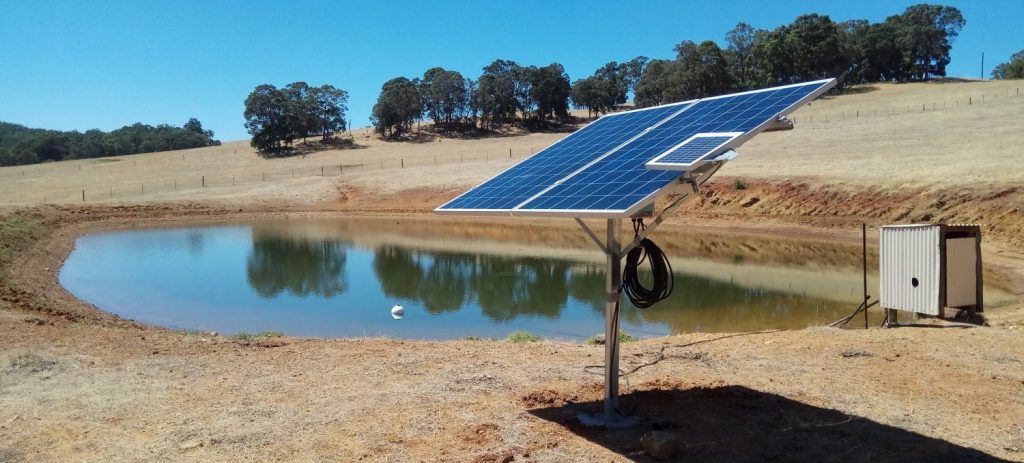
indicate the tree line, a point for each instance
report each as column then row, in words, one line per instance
column 22, row 145
column 1013, row 69
column 914, row 45
column 276, row 117
column 506, row 92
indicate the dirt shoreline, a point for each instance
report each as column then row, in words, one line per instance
column 77, row 383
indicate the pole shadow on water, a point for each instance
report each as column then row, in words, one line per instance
column 739, row 424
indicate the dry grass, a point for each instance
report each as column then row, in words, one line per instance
column 972, row 145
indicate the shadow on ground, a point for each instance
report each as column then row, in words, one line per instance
column 737, row 424
column 311, row 146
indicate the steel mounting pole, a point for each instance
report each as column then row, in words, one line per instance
column 613, row 287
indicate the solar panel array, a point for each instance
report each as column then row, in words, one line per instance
column 691, row 151
column 600, row 170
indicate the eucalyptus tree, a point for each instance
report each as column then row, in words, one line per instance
column 398, row 106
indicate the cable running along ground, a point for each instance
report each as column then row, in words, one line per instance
column 661, row 271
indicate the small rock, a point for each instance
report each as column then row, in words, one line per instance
column 189, row 445
column 35, row 321
column 659, row 444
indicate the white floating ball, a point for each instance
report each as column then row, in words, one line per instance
column 397, row 312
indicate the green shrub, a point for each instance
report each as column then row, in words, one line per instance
column 599, row 338
column 739, row 184
column 522, row 336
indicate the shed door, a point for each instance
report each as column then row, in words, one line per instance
column 961, row 272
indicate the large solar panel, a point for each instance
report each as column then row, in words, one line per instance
column 600, row 170
column 517, row 184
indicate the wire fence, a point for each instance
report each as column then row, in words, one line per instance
column 898, row 109
column 119, row 189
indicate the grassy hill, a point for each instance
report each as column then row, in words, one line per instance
column 884, row 152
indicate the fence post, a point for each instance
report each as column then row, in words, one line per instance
column 204, row 181
column 510, row 153
column 142, row 188
column 83, row 196
column 175, row 184
column 403, row 162
column 264, row 176
column 232, row 180
column 341, row 168
column 381, row 164
column 321, row 171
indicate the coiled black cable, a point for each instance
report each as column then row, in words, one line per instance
column 661, row 270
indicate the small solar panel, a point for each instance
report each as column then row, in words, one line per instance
column 602, row 169
column 695, row 149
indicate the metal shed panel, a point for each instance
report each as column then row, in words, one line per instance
column 910, row 268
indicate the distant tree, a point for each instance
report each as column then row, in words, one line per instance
column 266, row 117
column 925, row 33
column 549, row 90
column 445, row 96
column 817, row 48
column 594, row 94
column 472, row 103
column 650, row 91
column 1013, row 69
column 398, row 106
column 301, row 112
column 329, row 106
column 498, row 91
column 811, row 47
column 741, row 41
column 632, row 70
column 697, row 72
column 878, row 56
column 193, row 125
column 614, row 80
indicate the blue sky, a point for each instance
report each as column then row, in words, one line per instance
column 104, row 64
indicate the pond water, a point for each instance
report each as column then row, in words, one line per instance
column 340, row 278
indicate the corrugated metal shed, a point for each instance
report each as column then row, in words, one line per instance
column 909, row 259
column 926, row 268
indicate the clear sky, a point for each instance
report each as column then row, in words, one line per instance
column 104, row 64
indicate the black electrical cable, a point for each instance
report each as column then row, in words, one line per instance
column 661, row 270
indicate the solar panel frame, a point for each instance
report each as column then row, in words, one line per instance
column 444, row 209
column 518, row 211
column 659, row 162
